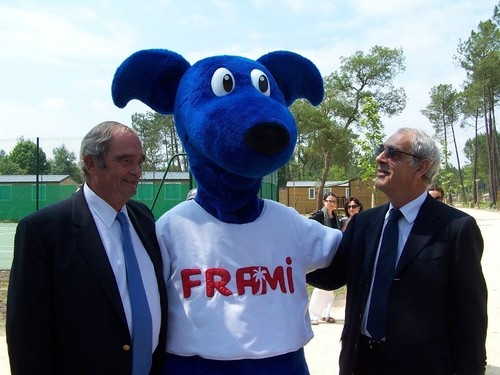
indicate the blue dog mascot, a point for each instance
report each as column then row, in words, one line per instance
column 235, row 264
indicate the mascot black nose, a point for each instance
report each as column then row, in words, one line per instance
column 267, row 138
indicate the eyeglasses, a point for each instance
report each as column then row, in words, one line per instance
column 332, row 202
column 391, row 151
column 352, row 207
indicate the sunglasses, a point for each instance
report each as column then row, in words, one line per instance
column 391, row 151
column 352, row 207
column 327, row 201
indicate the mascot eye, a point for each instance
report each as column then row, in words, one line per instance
column 222, row 82
column 260, row 81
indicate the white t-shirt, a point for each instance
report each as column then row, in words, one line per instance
column 238, row 291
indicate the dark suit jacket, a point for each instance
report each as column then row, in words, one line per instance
column 437, row 304
column 64, row 311
column 319, row 216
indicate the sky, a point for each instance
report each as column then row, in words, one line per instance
column 58, row 57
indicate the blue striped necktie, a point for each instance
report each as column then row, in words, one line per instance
column 141, row 315
column 384, row 274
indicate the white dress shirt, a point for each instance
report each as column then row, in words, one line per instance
column 111, row 235
column 405, row 223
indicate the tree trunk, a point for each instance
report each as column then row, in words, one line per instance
column 458, row 164
column 324, row 176
column 474, row 168
column 491, row 137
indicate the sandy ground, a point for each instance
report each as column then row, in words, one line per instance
column 323, row 350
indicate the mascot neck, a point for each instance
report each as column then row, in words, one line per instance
column 228, row 197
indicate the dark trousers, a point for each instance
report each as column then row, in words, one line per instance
column 293, row 363
column 371, row 358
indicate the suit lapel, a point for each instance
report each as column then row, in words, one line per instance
column 90, row 245
column 424, row 228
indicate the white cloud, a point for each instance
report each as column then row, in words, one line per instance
column 89, row 83
column 196, row 21
column 59, row 58
column 54, row 36
column 54, row 104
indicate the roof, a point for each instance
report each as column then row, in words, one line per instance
column 31, row 178
column 315, row 183
column 158, row 175
column 344, row 183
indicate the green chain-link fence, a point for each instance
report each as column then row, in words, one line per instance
column 28, row 183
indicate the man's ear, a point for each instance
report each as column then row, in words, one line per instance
column 423, row 167
column 89, row 163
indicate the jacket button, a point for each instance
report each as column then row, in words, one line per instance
column 126, row 347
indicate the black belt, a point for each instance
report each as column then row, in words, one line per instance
column 375, row 346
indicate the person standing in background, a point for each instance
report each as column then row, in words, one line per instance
column 420, row 305
column 70, row 307
column 436, row 192
column 327, row 215
column 321, row 301
column 352, row 207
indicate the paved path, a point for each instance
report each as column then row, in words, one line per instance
column 323, row 350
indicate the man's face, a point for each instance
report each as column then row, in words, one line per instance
column 117, row 182
column 397, row 172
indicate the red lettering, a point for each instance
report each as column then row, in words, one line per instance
column 223, row 278
column 257, row 278
column 289, row 275
column 244, row 279
column 277, row 278
column 187, row 283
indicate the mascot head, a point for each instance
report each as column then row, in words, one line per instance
column 231, row 114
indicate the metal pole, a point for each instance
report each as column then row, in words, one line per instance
column 163, row 179
column 37, row 184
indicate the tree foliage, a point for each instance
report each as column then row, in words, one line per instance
column 65, row 162
column 364, row 76
column 24, row 155
column 159, row 140
column 372, row 136
column 7, row 166
column 322, row 144
column 478, row 171
column 325, row 149
column 479, row 55
column 22, row 160
column 443, row 112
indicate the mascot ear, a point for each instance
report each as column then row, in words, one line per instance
column 151, row 76
column 297, row 77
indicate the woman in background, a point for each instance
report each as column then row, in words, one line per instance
column 322, row 300
column 352, row 207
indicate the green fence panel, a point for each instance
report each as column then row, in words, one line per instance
column 19, row 200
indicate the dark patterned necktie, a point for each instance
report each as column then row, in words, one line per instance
column 384, row 274
column 141, row 315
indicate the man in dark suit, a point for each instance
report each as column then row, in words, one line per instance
column 69, row 309
column 435, row 317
